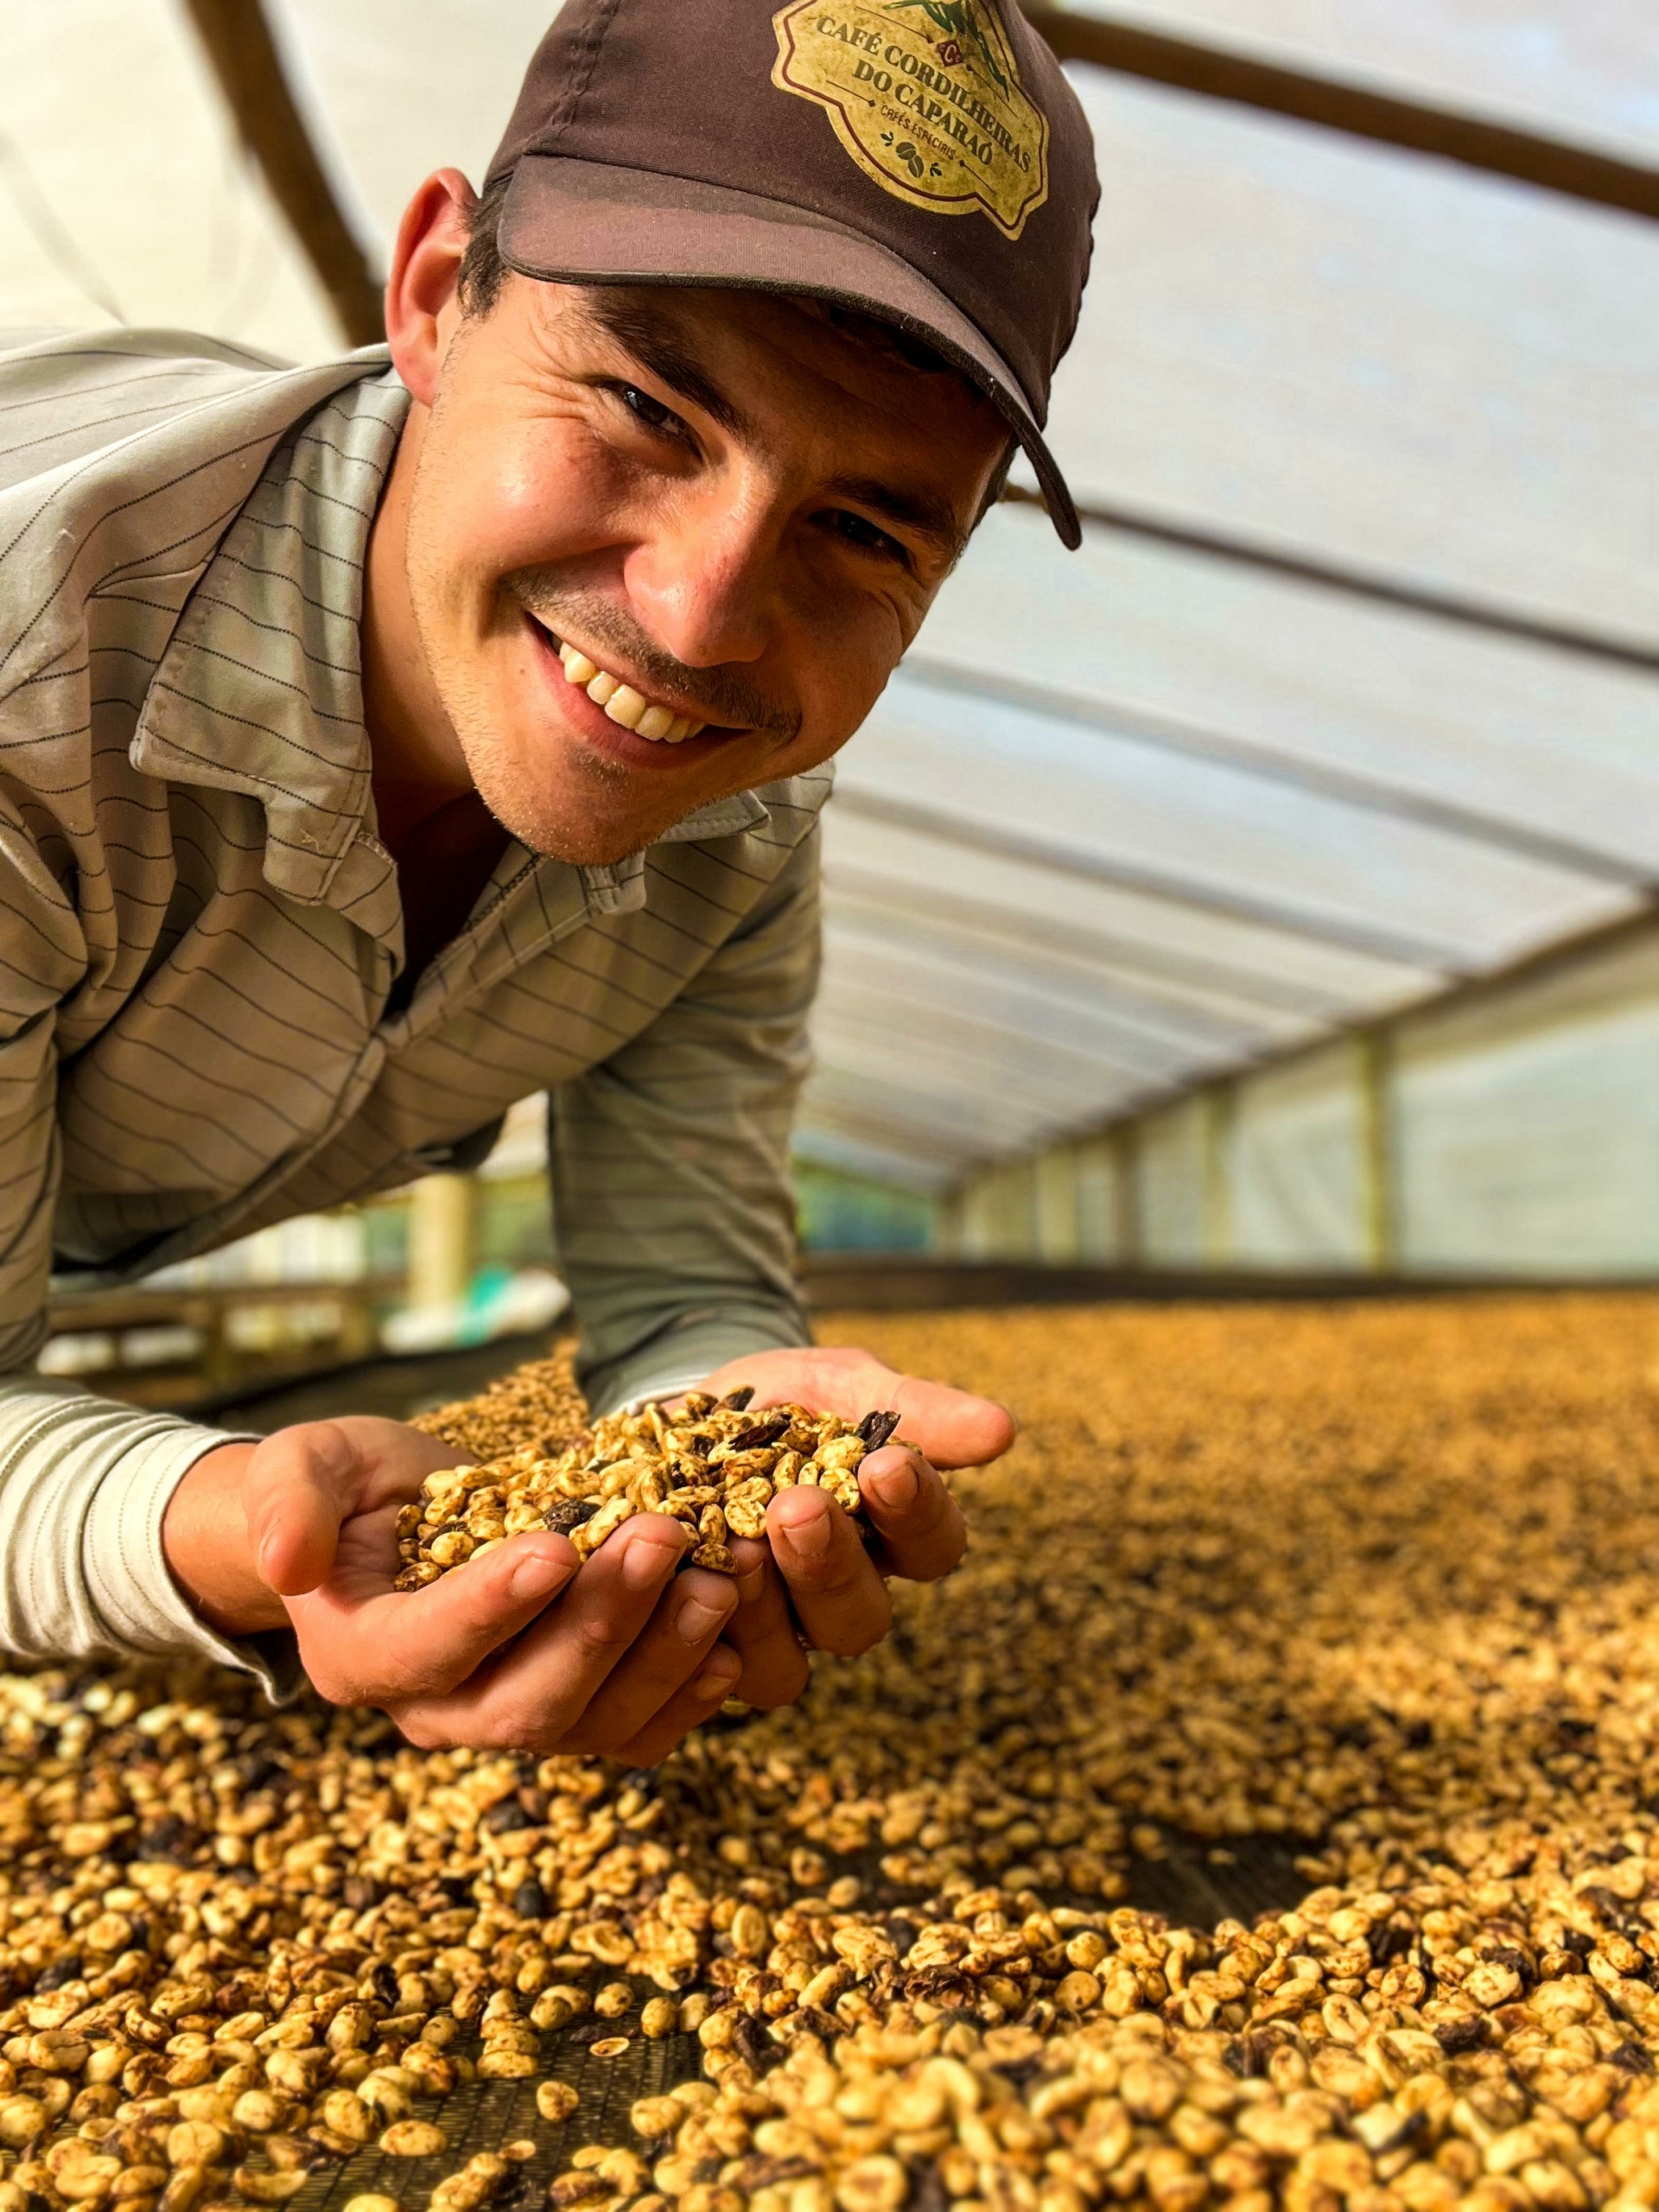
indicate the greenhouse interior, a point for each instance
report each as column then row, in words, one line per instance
column 1264, row 887
column 1237, row 1051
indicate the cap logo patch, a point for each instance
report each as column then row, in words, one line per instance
column 926, row 97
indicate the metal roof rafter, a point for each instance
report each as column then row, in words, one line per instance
column 1132, row 1018
column 1028, row 930
column 1251, row 756
column 1386, row 118
column 1355, row 583
column 1433, row 957
column 941, row 1036
column 920, row 1140
column 894, row 1103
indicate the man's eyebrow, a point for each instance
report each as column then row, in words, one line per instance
column 929, row 517
column 655, row 342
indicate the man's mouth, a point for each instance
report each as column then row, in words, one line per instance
column 623, row 704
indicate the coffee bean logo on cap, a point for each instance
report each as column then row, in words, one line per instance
column 926, row 97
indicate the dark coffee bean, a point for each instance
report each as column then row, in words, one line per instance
column 1505, row 1954
column 529, row 1900
column 927, row 2190
column 1256, row 2049
column 170, row 1838
column 763, row 1433
column 735, row 1401
column 750, row 2041
column 569, row 1512
column 504, row 1818
column 876, row 1428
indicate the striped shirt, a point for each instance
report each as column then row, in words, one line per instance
column 200, row 932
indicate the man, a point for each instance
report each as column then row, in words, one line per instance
column 380, row 745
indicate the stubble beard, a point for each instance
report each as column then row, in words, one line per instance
column 542, row 812
column 546, row 812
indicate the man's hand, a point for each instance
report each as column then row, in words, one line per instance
column 814, row 1570
column 302, row 1529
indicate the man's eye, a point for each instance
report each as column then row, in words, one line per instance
column 652, row 412
column 858, row 530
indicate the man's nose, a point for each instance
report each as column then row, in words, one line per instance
column 705, row 585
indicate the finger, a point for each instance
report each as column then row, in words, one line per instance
column 920, row 1524
column 671, row 1648
column 840, row 1600
column 762, row 1632
column 363, row 1643
column 701, row 1699
column 534, row 1694
column 300, row 1485
column 953, row 1427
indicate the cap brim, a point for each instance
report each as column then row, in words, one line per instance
column 587, row 223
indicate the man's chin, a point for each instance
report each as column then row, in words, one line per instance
column 562, row 829
column 580, row 819
column 580, row 845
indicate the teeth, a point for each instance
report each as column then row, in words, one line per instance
column 625, row 705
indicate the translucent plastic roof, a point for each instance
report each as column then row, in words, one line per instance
column 1160, row 808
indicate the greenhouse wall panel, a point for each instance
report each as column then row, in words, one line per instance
column 1526, row 1122
column 1103, row 1215
column 1172, row 1185
column 1297, row 1165
column 1057, row 1205
column 997, row 1219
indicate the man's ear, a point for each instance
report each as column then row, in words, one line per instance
column 421, row 290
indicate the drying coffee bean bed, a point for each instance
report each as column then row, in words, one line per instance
column 1376, row 1588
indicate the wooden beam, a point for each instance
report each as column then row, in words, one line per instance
column 1217, row 73
column 907, row 1281
column 244, row 55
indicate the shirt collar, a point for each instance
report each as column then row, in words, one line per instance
column 260, row 689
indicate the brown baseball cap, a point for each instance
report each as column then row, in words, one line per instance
column 923, row 162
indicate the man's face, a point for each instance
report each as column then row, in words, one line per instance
column 716, row 500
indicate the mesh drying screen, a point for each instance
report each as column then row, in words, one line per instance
column 485, row 2115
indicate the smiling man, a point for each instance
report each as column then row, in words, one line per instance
column 386, row 740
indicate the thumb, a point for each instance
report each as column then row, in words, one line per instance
column 300, row 1485
column 955, row 1428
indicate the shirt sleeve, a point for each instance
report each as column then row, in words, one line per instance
column 673, row 1212
column 84, row 1489
column 84, row 1484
